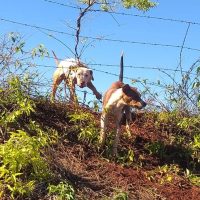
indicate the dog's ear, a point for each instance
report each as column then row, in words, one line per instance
column 91, row 72
column 125, row 88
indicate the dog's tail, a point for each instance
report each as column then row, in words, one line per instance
column 55, row 58
column 121, row 74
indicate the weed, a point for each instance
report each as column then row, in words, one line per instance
column 86, row 124
column 194, row 179
column 50, row 136
column 95, row 105
column 63, row 191
column 127, row 157
column 120, row 195
column 163, row 174
column 156, row 148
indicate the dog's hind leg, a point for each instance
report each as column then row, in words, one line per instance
column 103, row 129
column 117, row 136
column 56, row 82
column 116, row 141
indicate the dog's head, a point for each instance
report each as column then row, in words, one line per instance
column 83, row 76
column 132, row 97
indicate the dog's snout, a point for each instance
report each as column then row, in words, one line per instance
column 140, row 104
column 82, row 84
column 144, row 104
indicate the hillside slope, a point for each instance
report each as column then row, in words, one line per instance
column 139, row 173
column 149, row 165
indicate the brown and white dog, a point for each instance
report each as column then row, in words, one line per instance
column 73, row 72
column 119, row 98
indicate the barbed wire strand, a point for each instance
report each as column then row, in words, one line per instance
column 117, row 65
column 99, row 38
column 112, row 74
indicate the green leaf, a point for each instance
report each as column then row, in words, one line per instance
column 10, row 188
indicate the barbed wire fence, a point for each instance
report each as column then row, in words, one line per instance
column 96, row 66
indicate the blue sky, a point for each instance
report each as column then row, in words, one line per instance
column 155, row 35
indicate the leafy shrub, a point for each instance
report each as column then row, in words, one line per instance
column 86, row 125
column 49, row 136
column 21, row 163
column 16, row 102
column 17, row 80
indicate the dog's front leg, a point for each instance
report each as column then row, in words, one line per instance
column 127, row 111
column 73, row 97
column 57, row 79
column 96, row 93
column 117, row 136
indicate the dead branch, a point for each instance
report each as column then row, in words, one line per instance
column 82, row 13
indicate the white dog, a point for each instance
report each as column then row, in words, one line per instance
column 118, row 99
column 73, row 72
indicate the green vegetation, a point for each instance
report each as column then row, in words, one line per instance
column 163, row 174
column 21, row 163
column 143, row 5
column 23, row 142
column 120, row 196
column 63, row 191
column 86, row 126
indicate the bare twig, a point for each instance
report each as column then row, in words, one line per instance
column 182, row 46
column 179, row 88
column 82, row 13
column 61, row 42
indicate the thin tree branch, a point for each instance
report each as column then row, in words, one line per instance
column 78, row 23
column 181, row 51
column 50, row 35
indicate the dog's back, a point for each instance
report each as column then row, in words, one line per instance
column 110, row 91
column 129, row 95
